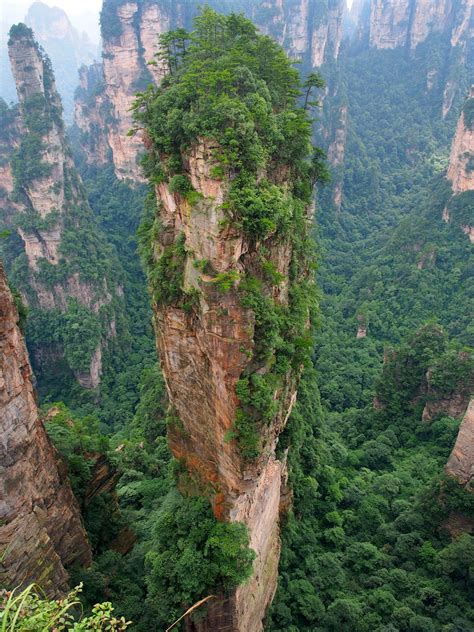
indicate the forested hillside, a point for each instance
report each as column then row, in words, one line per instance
column 380, row 539
column 200, row 216
column 390, row 262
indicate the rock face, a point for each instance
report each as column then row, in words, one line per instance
column 336, row 153
column 308, row 30
column 452, row 406
column 41, row 533
column 66, row 48
column 123, row 68
column 387, row 24
column 91, row 113
column 452, row 399
column 204, row 352
column 461, row 462
column 461, row 171
column 63, row 262
column 461, row 160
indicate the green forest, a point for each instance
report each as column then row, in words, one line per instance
column 375, row 539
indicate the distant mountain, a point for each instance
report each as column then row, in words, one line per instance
column 66, row 47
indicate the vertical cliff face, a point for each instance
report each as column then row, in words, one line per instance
column 461, row 462
column 461, row 171
column 400, row 23
column 63, row 269
column 229, row 278
column 407, row 22
column 389, row 23
column 461, row 160
column 91, row 113
column 66, row 48
column 336, row 153
column 123, row 68
column 204, row 354
column 308, row 30
column 40, row 525
column 131, row 41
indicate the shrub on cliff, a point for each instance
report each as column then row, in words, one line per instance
column 29, row 610
column 192, row 555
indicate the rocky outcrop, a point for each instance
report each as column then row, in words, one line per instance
column 66, row 48
column 91, row 114
column 447, row 387
column 461, row 172
column 400, row 23
column 461, row 160
column 461, row 462
column 209, row 339
column 48, row 208
column 204, row 352
column 308, row 30
column 453, row 405
column 41, row 533
column 104, row 477
column 336, row 153
column 123, row 68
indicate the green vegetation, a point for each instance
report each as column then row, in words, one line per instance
column 182, row 554
column 367, row 544
column 468, row 110
column 78, row 440
column 28, row 610
column 166, row 278
column 192, row 555
column 387, row 251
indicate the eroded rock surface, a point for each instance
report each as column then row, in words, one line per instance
column 461, row 171
column 461, row 462
column 461, row 160
column 399, row 23
column 45, row 202
column 91, row 112
column 204, row 352
column 41, row 532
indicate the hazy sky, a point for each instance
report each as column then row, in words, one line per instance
column 84, row 14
